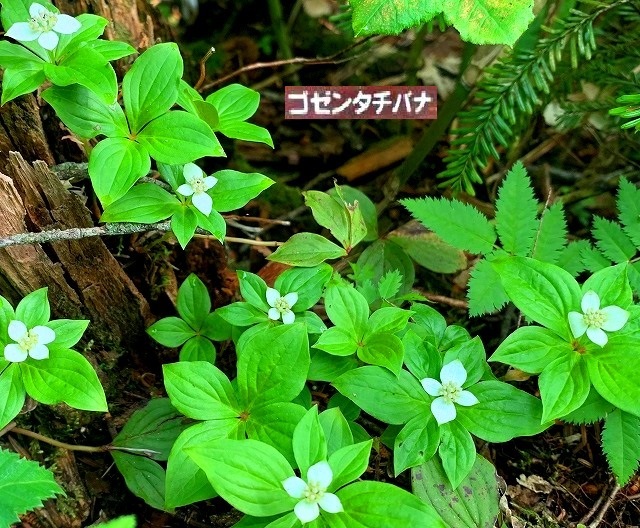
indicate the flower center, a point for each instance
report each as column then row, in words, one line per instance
column 594, row 318
column 28, row 342
column 43, row 22
column 450, row 391
column 198, row 185
column 282, row 305
column 313, row 492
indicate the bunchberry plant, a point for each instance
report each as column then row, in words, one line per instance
column 43, row 26
column 37, row 359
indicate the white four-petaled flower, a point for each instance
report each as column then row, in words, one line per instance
column 281, row 306
column 198, row 183
column 43, row 26
column 449, row 392
column 28, row 342
column 313, row 493
column 595, row 320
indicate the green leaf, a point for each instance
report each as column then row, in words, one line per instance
column 516, row 213
column 612, row 286
column 392, row 399
column 68, row 332
column 382, row 257
column 150, row 87
column 91, row 27
column 309, row 442
column 336, row 341
column 486, row 293
column 194, row 303
column 428, row 249
column 115, row 165
column 234, row 103
column 621, row 444
column 349, row 463
column 24, row 484
column 235, row 189
column 564, row 386
column 128, row 521
column 370, row 504
column 7, row 314
column 421, row 357
column 246, row 132
column 216, row 328
column 198, row 348
column 145, row 203
column 473, row 504
column 13, row 392
column 278, row 376
column 472, row 355
column 13, row 56
column 336, row 428
column 183, row 225
column 242, row 314
column 388, row 320
column 347, row 308
column 390, row 284
column 457, row 223
column 254, row 290
column 457, row 452
column 20, row 81
column 65, row 376
column 416, row 442
column 214, row 223
column 429, row 320
column 34, row 310
column 629, row 209
column 366, row 206
column 592, row 259
column 503, row 412
column 111, row 50
column 145, row 478
column 384, row 350
column 552, row 235
column 329, row 213
column 247, row 474
column 307, row 250
column 171, row 331
column 543, row 292
column 325, row 367
column 612, row 240
column 87, row 68
column 152, row 428
column 570, row 257
column 308, row 283
column 531, row 349
column 200, row 391
column 179, row 137
column 594, row 408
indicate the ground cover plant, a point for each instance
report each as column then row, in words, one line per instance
column 200, row 327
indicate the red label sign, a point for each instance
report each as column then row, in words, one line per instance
column 360, row 102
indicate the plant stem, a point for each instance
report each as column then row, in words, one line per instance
column 282, row 35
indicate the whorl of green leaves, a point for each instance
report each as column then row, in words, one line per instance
column 510, row 90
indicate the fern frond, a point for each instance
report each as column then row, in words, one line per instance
column 516, row 212
column 457, row 223
column 629, row 210
column 575, row 114
column 552, row 234
column 570, row 257
column 621, row 444
column 612, row 241
column 514, row 84
column 485, row 292
column 592, row 260
column 630, row 110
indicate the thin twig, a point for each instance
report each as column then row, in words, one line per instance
column 258, row 219
column 443, row 299
column 248, row 241
column 603, row 511
column 203, row 68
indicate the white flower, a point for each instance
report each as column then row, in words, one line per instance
column 197, row 186
column 29, row 342
column 313, row 493
column 43, row 26
column 453, row 376
column 281, row 306
column 595, row 320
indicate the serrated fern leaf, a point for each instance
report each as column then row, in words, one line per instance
column 390, row 284
column 457, row 223
column 24, row 484
column 592, row 259
column 612, row 241
column 570, row 257
column 485, row 293
column 552, row 234
column 621, row 444
column 516, row 212
column 629, row 210
column 594, row 408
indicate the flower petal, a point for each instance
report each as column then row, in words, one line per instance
column 466, row 399
column 616, row 318
column 577, row 324
column 431, row 386
column 590, row 301
column 443, row 411
column 209, row 182
column 36, row 10
column 22, row 31
column 272, row 296
column 14, row 353
column 330, row 503
column 288, row 317
column 306, row 511
column 17, row 330
column 203, row 203
column 291, row 298
column 66, row 25
column 454, row 372
column 597, row 336
column 273, row 314
column 295, row 487
column 320, row 474
column 48, row 40
column 39, row 352
column 192, row 172
column 185, row 189
column 44, row 333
